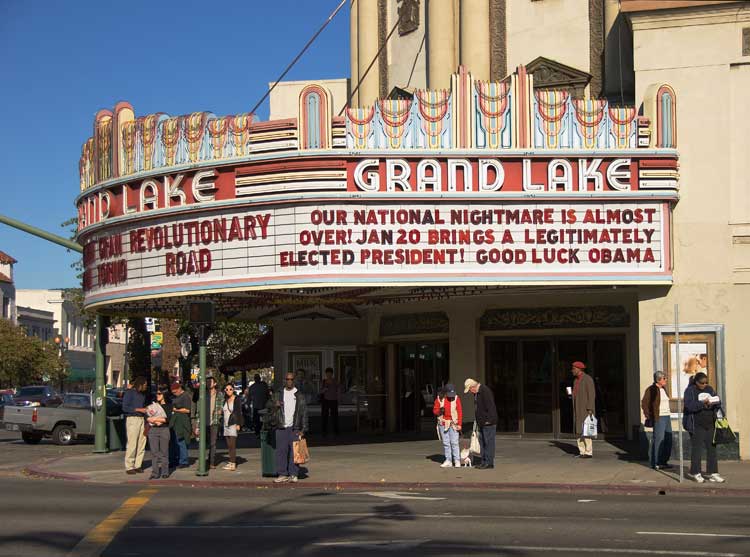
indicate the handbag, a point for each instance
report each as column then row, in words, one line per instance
column 439, row 429
column 723, row 434
column 301, row 452
column 474, row 446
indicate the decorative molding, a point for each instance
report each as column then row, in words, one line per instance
column 408, row 16
column 498, row 40
column 554, row 318
column 383, row 52
column 550, row 74
column 414, row 323
column 596, row 46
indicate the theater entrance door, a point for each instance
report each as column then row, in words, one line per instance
column 530, row 378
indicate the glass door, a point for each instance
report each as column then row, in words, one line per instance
column 539, row 387
column 423, row 369
column 568, row 351
column 503, row 378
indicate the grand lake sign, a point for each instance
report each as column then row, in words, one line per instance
column 490, row 184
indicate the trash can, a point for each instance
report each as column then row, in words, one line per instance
column 115, row 433
column 268, row 452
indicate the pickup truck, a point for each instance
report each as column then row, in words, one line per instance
column 74, row 418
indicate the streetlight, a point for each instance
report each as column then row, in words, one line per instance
column 62, row 347
column 62, row 344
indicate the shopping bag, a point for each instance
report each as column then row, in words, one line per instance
column 301, row 453
column 723, row 434
column 474, row 446
column 589, row 427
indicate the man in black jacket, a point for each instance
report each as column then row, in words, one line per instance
column 485, row 413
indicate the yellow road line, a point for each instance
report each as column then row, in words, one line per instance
column 100, row 536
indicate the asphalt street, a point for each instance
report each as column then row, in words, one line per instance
column 73, row 518
column 51, row 517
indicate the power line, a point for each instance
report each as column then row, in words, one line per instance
column 375, row 59
column 301, row 52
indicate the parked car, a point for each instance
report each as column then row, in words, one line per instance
column 37, row 395
column 73, row 419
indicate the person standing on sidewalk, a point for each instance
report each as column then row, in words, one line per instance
column 180, row 421
column 214, row 402
column 158, row 436
column 134, row 410
column 232, row 420
column 449, row 415
column 258, row 393
column 329, row 401
column 290, row 410
column 699, row 419
column 655, row 406
column 485, row 413
column 584, row 405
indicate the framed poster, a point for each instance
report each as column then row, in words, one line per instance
column 350, row 371
column 697, row 354
column 309, row 363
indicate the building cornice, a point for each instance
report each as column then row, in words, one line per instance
column 690, row 16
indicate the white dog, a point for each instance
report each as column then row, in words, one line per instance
column 466, row 458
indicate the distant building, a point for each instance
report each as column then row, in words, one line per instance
column 7, row 288
column 69, row 325
column 37, row 323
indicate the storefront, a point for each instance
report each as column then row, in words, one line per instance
column 490, row 231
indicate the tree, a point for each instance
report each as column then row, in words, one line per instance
column 25, row 359
column 228, row 339
column 139, row 349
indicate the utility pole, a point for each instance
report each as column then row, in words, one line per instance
column 54, row 238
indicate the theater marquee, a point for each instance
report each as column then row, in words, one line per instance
column 200, row 204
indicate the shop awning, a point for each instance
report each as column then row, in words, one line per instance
column 81, row 374
column 258, row 355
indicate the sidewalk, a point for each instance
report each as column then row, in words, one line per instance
column 520, row 464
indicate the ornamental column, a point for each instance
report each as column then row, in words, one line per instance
column 441, row 43
column 475, row 38
column 367, row 52
column 354, row 53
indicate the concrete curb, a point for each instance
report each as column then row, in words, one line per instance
column 38, row 471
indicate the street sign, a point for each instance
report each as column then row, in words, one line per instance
column 150, row 325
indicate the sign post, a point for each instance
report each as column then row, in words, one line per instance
column 202, row 315
column 676, row 362
column 100, row 396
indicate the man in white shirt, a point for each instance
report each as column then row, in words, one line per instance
column 655, row 406
column 291, row 425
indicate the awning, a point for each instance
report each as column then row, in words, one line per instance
column 258, row 355
column 81, row 374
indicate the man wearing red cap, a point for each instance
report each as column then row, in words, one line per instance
column 584, row 405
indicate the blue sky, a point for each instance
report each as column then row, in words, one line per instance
column 62, row 61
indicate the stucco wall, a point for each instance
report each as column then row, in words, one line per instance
column 698, row 52
column 556, row 29
column 407, row 64
column 284, row 99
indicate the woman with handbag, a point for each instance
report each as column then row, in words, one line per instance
column 449, row 414
column 232, row 412
column 699, row 418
